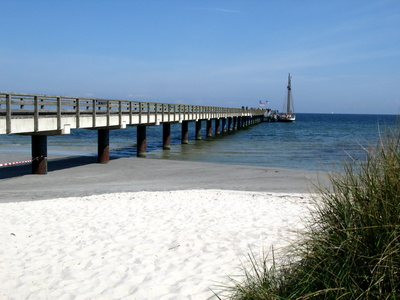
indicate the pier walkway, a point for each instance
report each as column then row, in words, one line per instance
column 43, row 115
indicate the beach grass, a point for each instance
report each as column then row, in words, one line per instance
column 351, row 246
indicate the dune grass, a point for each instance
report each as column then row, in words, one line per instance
column 351, row 248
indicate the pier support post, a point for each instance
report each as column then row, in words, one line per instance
column 217, row 126
column 39, row 154
column 224, row 125
column 141, row 141
column 166, row 136
column 229, row 124
column 103, row 146
column 185, row 132
column 209, row 128
column 235, row 123
column 198, row 130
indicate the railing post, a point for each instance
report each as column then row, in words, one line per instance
column 8, row 113
column 155, row 112
column 162, row 112
column 140, row 112
column 108, row 112
column 35, row 114
column 148, row 112
column 94, row 113
column 130, row 112
column 78, row 112
column 120, row 112
column 58, row 113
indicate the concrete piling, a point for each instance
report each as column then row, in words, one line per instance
column 141, row 141
column 167, row 136
column 217, row 127
column 209, row 128
column 185, row 132
column 39, row 154
column 198, row 130
column 103, row 145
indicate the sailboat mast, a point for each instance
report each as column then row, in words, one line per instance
column 289, row 88
column 289, row 115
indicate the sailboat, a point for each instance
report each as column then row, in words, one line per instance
column 288, row 115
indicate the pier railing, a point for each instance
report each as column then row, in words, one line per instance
column 55, row 113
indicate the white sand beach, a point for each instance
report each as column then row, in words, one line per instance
column 147, row 241
column 143, row 245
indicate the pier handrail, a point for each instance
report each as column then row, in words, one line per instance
column 19, row 105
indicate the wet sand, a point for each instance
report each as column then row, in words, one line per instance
column 82, row 176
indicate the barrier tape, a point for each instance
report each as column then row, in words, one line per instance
column 21, row 162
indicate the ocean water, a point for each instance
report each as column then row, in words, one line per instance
column 312, row 142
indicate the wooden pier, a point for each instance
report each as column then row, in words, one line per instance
column 43, row 115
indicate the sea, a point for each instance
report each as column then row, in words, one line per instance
column 317, row 142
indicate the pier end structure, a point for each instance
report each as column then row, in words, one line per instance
column 44, row 115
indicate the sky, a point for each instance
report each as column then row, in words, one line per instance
column 343, row 55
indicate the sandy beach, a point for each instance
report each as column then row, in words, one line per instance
column 141, row 228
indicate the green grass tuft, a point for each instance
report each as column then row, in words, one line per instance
column 351, row 248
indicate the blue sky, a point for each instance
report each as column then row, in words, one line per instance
column 343, row 55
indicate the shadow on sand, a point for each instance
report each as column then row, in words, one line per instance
column 55, row 164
